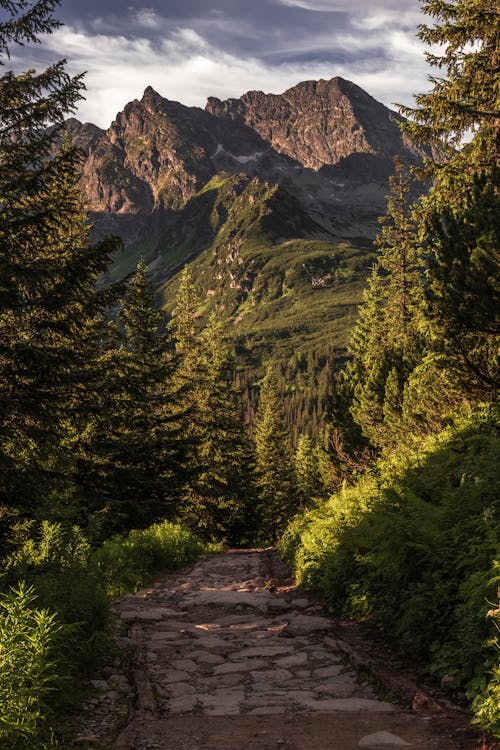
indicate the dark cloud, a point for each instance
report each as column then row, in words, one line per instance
column 190, row 49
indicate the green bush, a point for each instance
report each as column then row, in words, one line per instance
column 55, row 561
column 413, row 545
column 127, row 561
column 29, row 638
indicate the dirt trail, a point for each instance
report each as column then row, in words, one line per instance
column 224, row 663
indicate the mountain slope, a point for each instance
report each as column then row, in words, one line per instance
column 273, row 200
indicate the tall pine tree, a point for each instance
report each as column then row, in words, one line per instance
column 460, row 216
column 274, row 477
column 49, row 302
column 387, row 342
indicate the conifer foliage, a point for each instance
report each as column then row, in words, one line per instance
column 387, row 342
column 459, row 218
column 273, row 461
column 49, row 302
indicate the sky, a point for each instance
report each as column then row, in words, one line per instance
column 188, row 50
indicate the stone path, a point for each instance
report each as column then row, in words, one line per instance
column 223, row 662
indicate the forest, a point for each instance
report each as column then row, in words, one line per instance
column 130, row 441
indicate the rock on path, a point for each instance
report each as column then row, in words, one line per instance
column 214, row 642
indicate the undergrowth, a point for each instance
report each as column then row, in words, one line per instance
column 55, row 616
column 415, row 545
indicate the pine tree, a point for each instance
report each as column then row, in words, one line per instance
column 277, row 496
column 465, row 99
column 220, row 498
column 459, row 218
column 136, row 457
column 49, row 303
column 387, row 340
column 307, row 469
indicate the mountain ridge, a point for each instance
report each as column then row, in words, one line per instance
column 327, row 142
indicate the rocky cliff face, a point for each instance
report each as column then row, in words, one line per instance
column 328, row 143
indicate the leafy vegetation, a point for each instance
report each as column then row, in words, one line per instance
column 415, row 545
column 28, row 663
column 127, row 561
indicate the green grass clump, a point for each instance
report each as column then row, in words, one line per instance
column 125, row 562
column 415, row 545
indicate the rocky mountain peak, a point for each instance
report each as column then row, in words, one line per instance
column 328, row 143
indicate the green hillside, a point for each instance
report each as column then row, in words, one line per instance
column 281, row 297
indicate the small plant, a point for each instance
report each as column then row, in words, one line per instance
column 29, row 669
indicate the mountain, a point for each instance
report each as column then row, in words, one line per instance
column 328, row 143
column 273, row 199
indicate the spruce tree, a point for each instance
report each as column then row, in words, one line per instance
column 136, row 457
column 387, row 341
column 307, row 469
column 49, row 303
column 465, row 99
column 459, row 218
column 277, row 495
column 220, row 498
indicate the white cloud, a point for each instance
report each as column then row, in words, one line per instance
column 184, row 67
column 334, row 6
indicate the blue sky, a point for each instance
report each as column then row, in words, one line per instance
column 190, row 49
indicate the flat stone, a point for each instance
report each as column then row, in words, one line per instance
column 222, row 703
column 265, row 700
column 262, row 651
column 176, row 689
column 175, row 675
column 228, row 599
column 325, row 656
column 301, row 603
column 206, row 658
column 294, row 660
column 305, row 624
column 242, row 666
column 382, row 738
column 230, row 680
column 268, row 710
column 187, row 665
column 336, row 690
column 332, row 671
column 183, row 704
column 273, row 675
column 147, row 615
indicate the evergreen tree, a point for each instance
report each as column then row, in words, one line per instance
column 220, row 498
column 277, row 496
column 136, row 457
column 307, row 469
column 459, row 218
column 49, row 303
column 387, row 342
column 463, row 100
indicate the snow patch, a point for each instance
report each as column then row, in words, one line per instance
column 242, row 159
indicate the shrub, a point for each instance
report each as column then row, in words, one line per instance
column 413, row 545
column 29, row 669
column 55, row 561
column 126, row 562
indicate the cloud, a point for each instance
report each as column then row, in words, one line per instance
column 360, row 8
column 223, row 55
